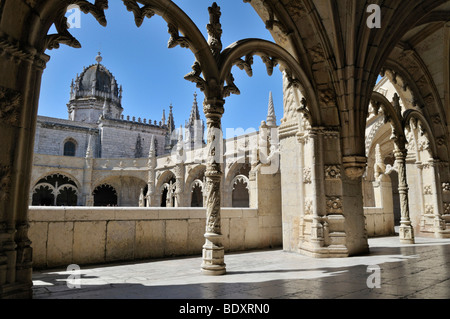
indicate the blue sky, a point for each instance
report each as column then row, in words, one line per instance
column 152, row 75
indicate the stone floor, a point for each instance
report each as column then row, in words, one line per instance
column 420, row 271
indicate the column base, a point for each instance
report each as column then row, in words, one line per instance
column 406, row 234
column 213, row 256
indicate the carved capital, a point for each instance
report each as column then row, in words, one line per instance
column 354, row 166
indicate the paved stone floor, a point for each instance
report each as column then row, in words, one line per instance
column 420, row 271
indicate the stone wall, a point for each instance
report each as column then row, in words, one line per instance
column 86, row 235
column 52, row 134
column 125, row 134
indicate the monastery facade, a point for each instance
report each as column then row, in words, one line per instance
column 99, row 158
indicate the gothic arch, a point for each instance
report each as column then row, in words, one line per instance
column 164, row 177
column 392, row 114
column 233, row 171
column 196, row 173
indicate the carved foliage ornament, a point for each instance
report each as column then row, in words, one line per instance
column 175, row 38
column 10, row 105
column 272, row 21
column 446, row 187
column 334, row 205
column 308, row 207
column 139, row 13
column 332, row 172
column 5, row 183
column 214, row 29
column 195, row 77
column 63, row 36
column 307, row 175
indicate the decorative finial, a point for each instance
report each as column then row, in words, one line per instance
column 99, row 58
column 271, row 118
column 214, row 29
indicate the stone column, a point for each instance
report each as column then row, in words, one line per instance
column 213, row 250
column 406, row 230
column 436, row 190
column 19, row 95
column 88, row 172
column 151, row 164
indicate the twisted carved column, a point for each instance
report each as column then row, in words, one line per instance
column 213, row 251
column 406, row 229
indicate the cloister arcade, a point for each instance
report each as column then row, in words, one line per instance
column 331, row 59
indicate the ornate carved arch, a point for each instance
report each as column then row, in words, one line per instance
column 163, row 178
column 416, row 78
column 193, row 175
column 56, row 172
column 435, row 144
column 392, row 114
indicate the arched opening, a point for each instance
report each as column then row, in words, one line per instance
column 105, row 195
column 395, row 197
column 43, row 196
column 197, row 195
column 167, row 190
column 240, row 196
column 55, row 190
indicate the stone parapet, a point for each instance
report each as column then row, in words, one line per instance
column 87, row 235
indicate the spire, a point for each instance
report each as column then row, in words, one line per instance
column 271, row 120
column 163, row 119
column 194, row 127
column 195, row 114
column 171, row 121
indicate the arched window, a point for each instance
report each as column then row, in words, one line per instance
column 69, row 148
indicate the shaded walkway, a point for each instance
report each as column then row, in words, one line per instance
column 410, row 271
